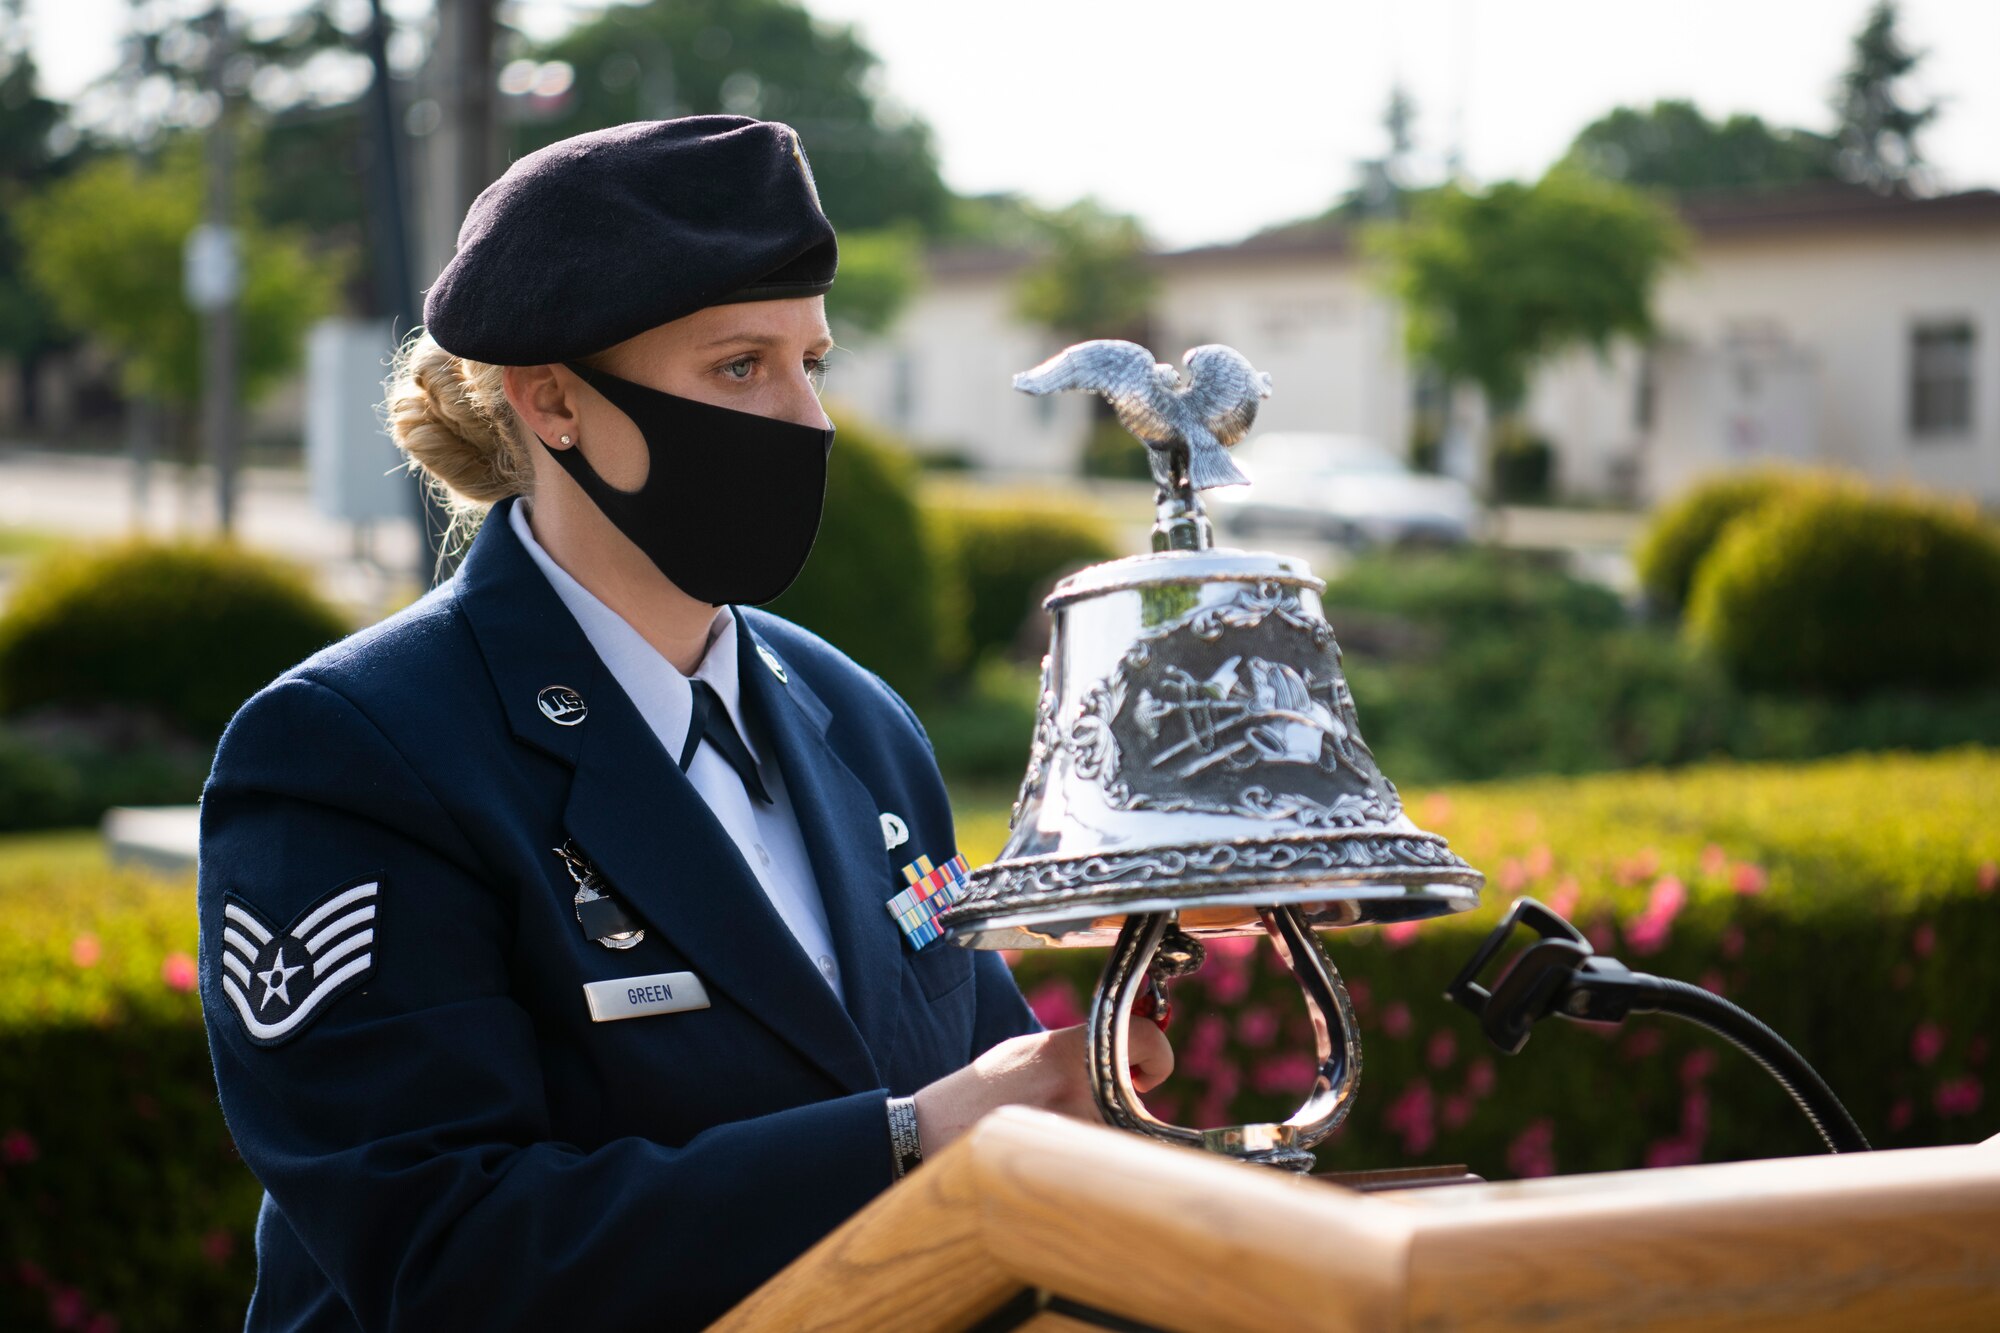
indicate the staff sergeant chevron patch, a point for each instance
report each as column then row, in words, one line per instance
column 278, row 981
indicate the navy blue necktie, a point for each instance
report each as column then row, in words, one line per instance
column 709, row 721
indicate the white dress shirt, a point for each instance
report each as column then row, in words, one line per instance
column 767, row 835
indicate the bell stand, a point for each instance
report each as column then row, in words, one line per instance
column 1152, row 949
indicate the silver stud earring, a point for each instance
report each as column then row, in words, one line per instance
column 564, row 438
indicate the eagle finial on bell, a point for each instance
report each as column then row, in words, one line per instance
column 1198, row 770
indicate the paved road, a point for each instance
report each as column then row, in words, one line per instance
column 372, row 573
column 95, row 498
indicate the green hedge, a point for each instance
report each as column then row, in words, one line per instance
column 120, row 1192
column 1854, row 905
column 1683, row 532
column 1841, row 591
column 873, row 587
column 66, row 770
column 184, row 630
column 1485, row 664
column 1009, row 549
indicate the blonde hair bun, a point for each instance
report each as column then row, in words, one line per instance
column 451, row 418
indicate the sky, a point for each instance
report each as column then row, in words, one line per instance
column 1208, row 120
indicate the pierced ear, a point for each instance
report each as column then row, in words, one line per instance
column 543, row 401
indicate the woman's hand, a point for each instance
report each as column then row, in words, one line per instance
column 1045, row 1069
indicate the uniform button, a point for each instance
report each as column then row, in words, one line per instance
column 762, row 855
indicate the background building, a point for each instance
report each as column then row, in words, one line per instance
column 1830, row 325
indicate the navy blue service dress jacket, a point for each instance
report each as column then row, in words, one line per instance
column 407, row 1061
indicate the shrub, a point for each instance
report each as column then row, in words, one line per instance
column 62, row 770
column 123, row 1194
column 1682, row 534
column 1862, row 930
column 37, row 790
column 873, row 587
column 983, row 734
column 1464, row 593
column 1008, row 555
column 185, row 630
column 1845, row 592
column 1523, row 468
column 1110, row 452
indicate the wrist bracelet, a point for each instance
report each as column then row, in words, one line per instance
column 904, row 1145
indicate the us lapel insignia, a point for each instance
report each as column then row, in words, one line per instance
column 894, row 831
column 771, row 660
column 602, row 919
column 277, row 980
column 932, row 889
column 561, row 705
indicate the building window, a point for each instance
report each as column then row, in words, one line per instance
column 1941, row 379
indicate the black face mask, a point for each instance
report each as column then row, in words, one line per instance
column 731, row 501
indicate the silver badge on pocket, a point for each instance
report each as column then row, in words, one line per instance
column 602, row 917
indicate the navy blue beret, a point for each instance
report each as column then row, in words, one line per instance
column 597, row 238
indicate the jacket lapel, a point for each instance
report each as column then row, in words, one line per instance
column 842, row 827
column 637, row 817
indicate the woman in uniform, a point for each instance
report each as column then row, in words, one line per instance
column 558, row 954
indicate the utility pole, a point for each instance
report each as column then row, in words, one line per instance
column 214, row 280
column 462, row 158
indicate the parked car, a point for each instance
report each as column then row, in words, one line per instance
column 1341, row 488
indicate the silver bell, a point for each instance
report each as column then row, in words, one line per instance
column 1197, row 767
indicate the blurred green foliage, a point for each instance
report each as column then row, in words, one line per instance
column 1849, row 904
column 1683, row 532
column 186, row 631
column 1009, row 549
column 874, row 164
column 1843, row 592
column 104, row 246
column 1092, row 279
column 871, row 587
column 123, row 1195
column 1110, row 451
column 64, row 770
column 1495, row 282
column 879, row 270
column 1880, row 115
column 1483, row 664
column 1671, row 145
column 1523, row 466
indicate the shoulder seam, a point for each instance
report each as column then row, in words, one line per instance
column 409, row 768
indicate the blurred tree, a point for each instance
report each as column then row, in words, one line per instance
column 1673, row 146
column 28, row 158
column 875, row 166
column 1092, row 280
column 302, row 74
column 1004, row 221
column 1382, row 181
column 878, row 271
column 1494, row 283
column 104, row 246
column 1878, row 125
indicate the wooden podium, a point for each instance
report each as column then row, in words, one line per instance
column 1035, row 1222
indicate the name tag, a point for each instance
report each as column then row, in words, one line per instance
column 636, row 997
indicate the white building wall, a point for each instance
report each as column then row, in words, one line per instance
column 1328, row 341
column 1850, row 300
column 942, row 377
